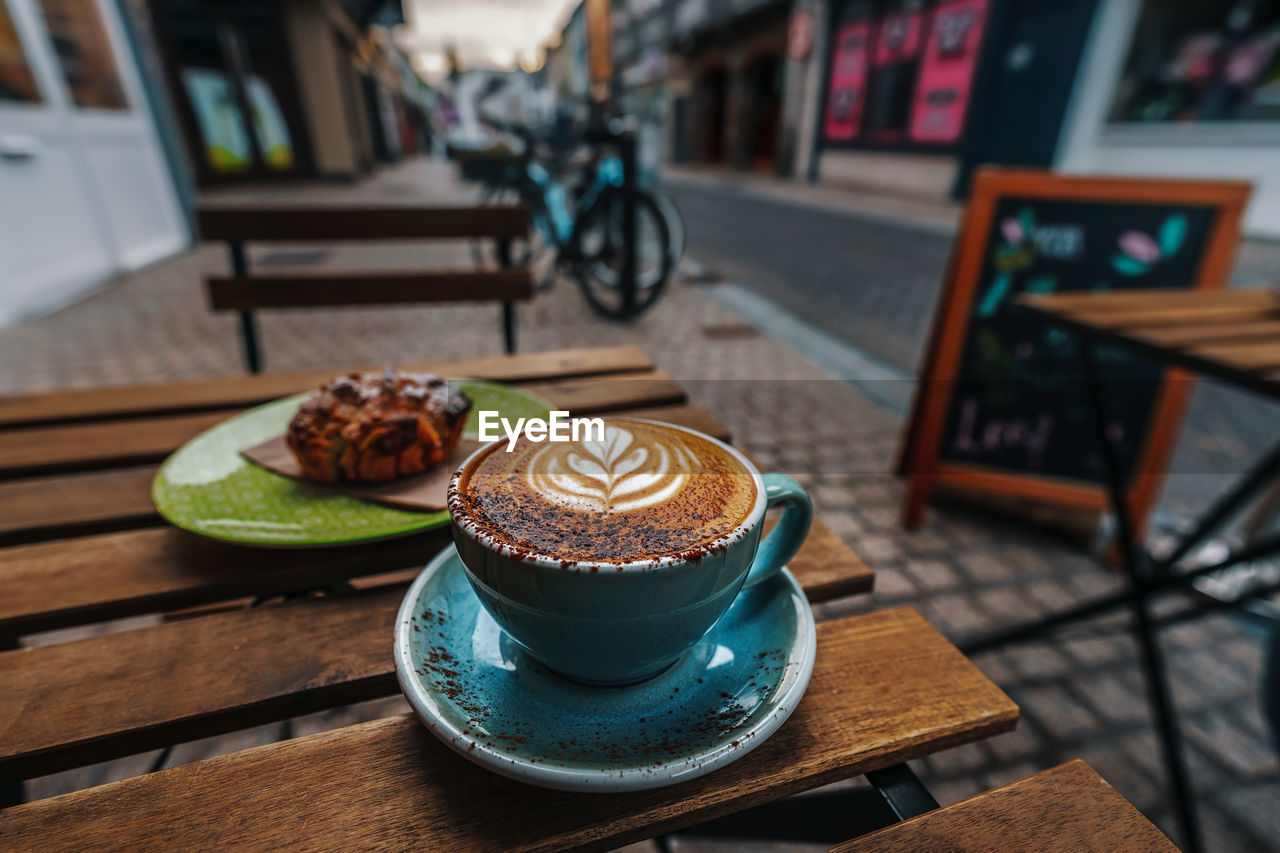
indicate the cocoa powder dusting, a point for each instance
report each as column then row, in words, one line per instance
column 718, row 497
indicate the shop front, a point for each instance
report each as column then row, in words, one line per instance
column 1183, row 88
column 285, row 89
column 899, row 90
column 729, row 81
column 86, row 190
column 230, row 71
column 920, row 93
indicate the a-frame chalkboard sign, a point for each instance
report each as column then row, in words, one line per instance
column 1001, row 406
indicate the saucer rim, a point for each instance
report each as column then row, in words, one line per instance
column 700, row 763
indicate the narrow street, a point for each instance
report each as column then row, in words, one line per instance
column 871, row 280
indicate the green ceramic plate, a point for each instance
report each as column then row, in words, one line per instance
column 207, row 487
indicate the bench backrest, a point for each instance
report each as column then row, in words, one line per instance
column 245, row 292
column 246, row 223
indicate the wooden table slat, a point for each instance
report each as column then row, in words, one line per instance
column 1126, row 300
column 90, row 579
column 1193, row 331
column 31, row 451
column 1172, row 315
column 76, row 504
column 96, row 578
column 603, row 395
column 240, row 391
column 39, row 508
column 1067, row 808
column 230, row 670
column 887, row 687
column 1188, row 336
column 1244, row 356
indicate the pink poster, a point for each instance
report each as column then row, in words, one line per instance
column 848, row 89
column 899, row 37
column 898, row 40
column 946, row 71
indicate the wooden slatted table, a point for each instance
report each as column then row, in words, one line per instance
column 1231, row 335
column 84, row 545
column 1069, row 807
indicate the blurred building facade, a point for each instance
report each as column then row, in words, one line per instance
column 565, row 67
column 87, row 188
column 903, row 95
column 113, row 112
column 1182, row 88
column 910, row 96
column 288, row 89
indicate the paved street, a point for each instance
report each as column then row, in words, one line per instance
column 967, row 571
column 868, row 281
column 868, row 272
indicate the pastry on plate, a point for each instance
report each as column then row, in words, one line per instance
column 374, row 427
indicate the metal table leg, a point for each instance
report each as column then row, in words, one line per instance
column 823, row 818
column 905, row 794
column 1152, row 655
column 11, row 793
column 1263, row 548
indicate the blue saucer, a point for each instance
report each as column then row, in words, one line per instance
column 493, row 704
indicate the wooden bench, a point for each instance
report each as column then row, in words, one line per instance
column 246, row 292
column 1069, row 807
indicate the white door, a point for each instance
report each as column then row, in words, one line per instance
column 84, row 189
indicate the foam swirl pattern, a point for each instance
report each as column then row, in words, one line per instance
column 644, row 490
column 622, row 472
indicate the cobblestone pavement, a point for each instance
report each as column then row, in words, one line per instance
column 966, row 570
column 867, row 269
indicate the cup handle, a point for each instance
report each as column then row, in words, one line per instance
column 788, row 535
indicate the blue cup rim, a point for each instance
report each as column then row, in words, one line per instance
column 465, row 526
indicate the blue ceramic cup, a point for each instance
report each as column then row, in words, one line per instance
column 614, row 624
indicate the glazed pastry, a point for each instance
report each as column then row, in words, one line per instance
column 374, row 427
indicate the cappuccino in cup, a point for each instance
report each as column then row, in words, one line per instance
column 640, row 491
column 608, row 557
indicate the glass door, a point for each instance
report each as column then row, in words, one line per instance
column 51, row 229
column 79, row 156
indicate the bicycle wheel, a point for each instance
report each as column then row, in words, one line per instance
column 675, row 226
column 599, row 235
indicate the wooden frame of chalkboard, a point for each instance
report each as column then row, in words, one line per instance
column 1021, row 232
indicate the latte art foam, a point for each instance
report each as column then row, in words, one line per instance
column 618, row 474
column 645, row 490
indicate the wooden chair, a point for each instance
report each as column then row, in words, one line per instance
column 246, row 292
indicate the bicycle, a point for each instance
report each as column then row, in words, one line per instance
column 587, row 238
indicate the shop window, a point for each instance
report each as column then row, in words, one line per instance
column 225, row 143
column 17, row 83
column 269, row 88
column 849, row 72
column 233, row 69
column 1192, row 61
column 84, row 53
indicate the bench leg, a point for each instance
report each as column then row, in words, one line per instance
column 509, row 326
column 508, row 308
column 249, row 337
